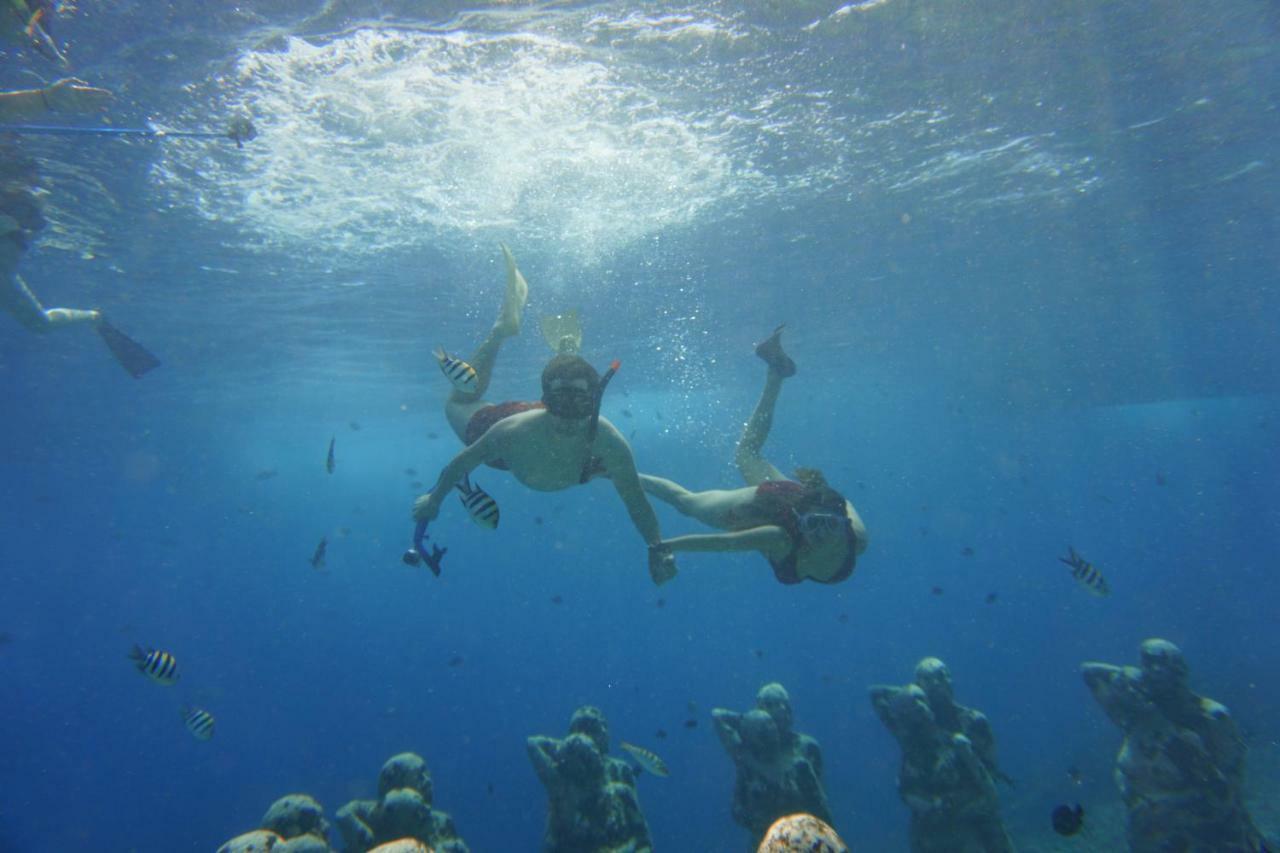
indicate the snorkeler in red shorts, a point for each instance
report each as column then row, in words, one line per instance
column 803, row 527
column 553, row 444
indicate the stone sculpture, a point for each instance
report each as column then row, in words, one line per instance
column 779, row 771
column 1180, row 769
column 948, row 773
column 592, row 799
column 402, row 812
column 293, row 824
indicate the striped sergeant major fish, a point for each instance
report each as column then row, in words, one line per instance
column 160, row 666
column 482, row 508
column 646, row 759
column 461, row 374
column 1084, row 572
column 199, row 722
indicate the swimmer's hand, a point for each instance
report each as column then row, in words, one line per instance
column 423, row 510
column 662, row 564
column 72, row 95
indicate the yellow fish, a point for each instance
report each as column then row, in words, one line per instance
column 646, row 759
column 161, row 667
column 199, row 722
column 482, row 508
column 461, row 374
column 1084, row 572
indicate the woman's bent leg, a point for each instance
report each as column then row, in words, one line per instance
column 714, row 508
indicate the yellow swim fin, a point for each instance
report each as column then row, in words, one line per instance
column 562, row 332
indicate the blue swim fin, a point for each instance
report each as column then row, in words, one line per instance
column 133, row 356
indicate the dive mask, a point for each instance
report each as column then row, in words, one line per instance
column 571, row 399
column 821, row 524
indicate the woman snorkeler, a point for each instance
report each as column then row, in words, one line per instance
column 803, row 527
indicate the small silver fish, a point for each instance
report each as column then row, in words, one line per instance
column 461, row 374
column 199, row 722
column 482, row 508
column 330, row 463
column 160, row 666
column 317, row 558
column 646, row 759
column 1084, row 572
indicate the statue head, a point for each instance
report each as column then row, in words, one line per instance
column 774, row 701
column 589, row 720
column 1164, row 670
column 935, row 679
column 911, row 712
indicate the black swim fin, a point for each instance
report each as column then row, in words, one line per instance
column 133, row 356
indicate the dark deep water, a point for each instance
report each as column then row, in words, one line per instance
column 1027, row 254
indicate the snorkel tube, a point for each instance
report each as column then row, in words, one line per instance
column 594, row 426
column 418, row 553
column 239, row 131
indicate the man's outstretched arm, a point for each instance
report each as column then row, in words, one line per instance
column 621, row 465
column 486, row 449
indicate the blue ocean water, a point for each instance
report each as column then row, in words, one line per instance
column 1027, row 256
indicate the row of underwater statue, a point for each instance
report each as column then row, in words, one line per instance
column 1180, row 771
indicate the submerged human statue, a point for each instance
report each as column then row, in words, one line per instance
column 556, row 443
column 948, row 773
column 1180, row 768
column 591, row 796
column 803, row 527
column 778, row 770
column 404, row 810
